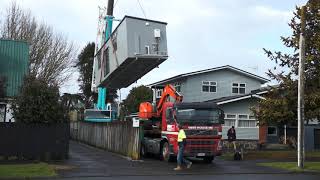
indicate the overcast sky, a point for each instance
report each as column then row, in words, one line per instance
column 201, row 33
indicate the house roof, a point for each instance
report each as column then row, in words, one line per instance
column 229, row 99
column 228, row 67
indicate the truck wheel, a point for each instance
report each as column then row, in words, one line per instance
column 208, row 159
column 165, row 153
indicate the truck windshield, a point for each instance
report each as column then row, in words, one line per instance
column 199, row 116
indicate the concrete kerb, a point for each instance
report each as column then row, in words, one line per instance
column 169, row 174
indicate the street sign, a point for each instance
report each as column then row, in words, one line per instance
column 135, row 122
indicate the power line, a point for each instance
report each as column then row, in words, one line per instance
column 142, row 9
column 115, row 4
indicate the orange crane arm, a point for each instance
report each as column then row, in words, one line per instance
column 168, row 91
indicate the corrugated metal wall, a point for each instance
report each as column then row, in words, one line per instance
column 14, row 58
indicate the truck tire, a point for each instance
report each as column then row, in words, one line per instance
column 208, row 159
column 165, row 153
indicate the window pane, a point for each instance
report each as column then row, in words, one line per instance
column 252, row 117
column 230, row 116
column 242, row 85
column 213, row 83
column 272, row 131
column 243, row 116
column 99, row 59
column 205, row 88
column 235, row 84
column 205, row 82
column 229, row 122
column 213, row 89
column 106, row 62
column 242, row 90
column 234, row 90
column 247, row 123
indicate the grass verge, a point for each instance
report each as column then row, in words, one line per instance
column 292, row 166
column 273, row 155
column 27, row 170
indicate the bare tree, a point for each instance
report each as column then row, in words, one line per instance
column 51, row 54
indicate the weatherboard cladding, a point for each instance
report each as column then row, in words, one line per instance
column 14, row 58
column 227, row 67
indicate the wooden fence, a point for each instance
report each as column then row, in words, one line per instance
column 119, row 136
column 34, row 141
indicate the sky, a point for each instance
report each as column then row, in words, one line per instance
column 201, row 33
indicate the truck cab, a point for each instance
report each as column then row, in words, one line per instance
column 201, row 123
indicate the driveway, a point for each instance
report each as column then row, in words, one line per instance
column 92, row 163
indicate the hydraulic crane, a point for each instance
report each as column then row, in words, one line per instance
column 101, row 111
column 134, row 48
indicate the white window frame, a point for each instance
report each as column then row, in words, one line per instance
column 238, row 87
column 276, row 134
column 245, row 119
column 226, row 118
column 177, row 84
column 238, row 119
column 216, row 85
column 159, row 93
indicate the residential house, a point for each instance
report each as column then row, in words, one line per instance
column 14, row 58
column 233, row 89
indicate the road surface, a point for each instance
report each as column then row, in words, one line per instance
column 92, row 163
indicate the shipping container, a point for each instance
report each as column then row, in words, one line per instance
column 14, row 59
column 136, row 47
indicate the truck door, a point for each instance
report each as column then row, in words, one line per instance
column 170, row 120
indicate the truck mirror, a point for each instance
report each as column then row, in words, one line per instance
column 169, row 115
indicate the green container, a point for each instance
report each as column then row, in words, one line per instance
column 14, row 59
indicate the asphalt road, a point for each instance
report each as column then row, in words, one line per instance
column 92, row 163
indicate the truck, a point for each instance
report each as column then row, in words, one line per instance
column 201, row 122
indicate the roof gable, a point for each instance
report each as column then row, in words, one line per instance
column 227, row 67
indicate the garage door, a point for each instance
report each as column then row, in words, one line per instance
column 317, row 138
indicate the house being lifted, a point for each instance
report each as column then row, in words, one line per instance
column 134, row 48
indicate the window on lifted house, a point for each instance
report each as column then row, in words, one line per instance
column 99, row 59
column 209, row 86
column 106, row 60
column 238, row 88
column 177, row 86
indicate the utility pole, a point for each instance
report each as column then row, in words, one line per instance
column 301, row 90
column 110, row 7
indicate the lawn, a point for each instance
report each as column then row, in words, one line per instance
column 292, row 166
column 273, row 155
column 27, row 170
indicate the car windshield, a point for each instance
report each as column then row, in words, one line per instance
column 199, row 116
